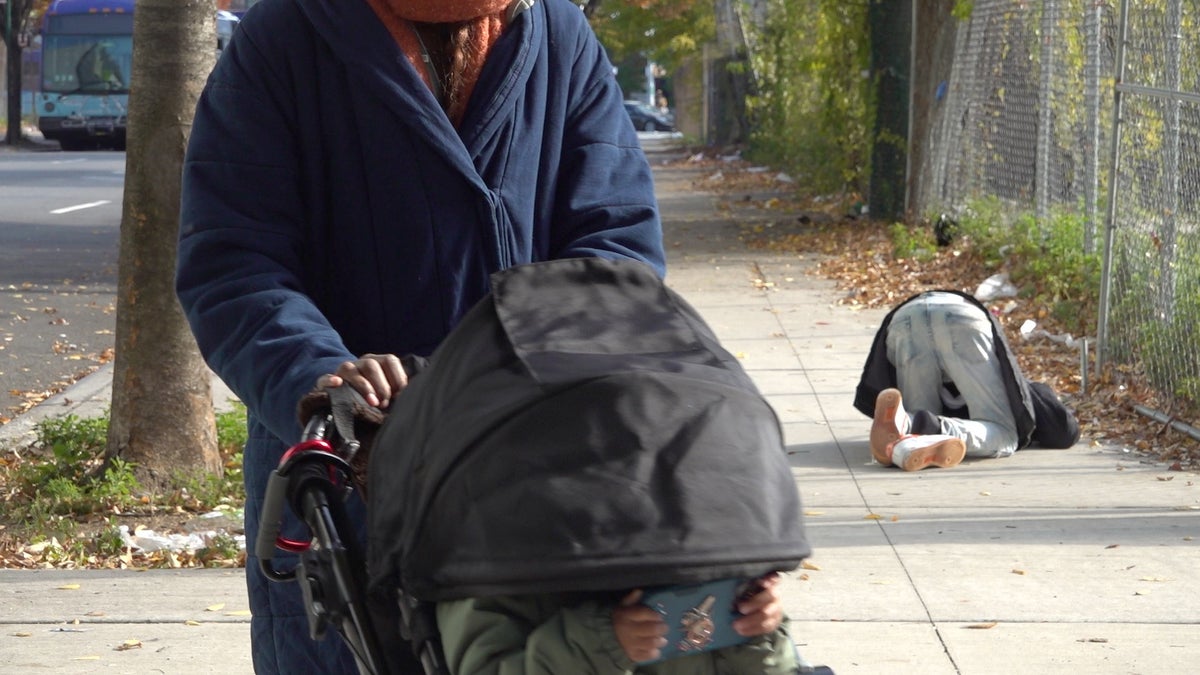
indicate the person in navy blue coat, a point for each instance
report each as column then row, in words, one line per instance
column 356, row 170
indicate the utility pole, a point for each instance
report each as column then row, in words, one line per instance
column 891, row 54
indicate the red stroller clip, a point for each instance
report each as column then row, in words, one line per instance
column 313, row 479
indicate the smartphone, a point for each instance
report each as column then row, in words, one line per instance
column 699, row 617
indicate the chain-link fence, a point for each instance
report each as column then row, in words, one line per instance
column 1028, row 116
column 1151, row 299
column 1023, row 115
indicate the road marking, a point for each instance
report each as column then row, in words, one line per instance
column 80, row 207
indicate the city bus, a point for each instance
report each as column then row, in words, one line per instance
column 87, row 58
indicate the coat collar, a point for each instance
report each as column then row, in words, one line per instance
column 375, row 62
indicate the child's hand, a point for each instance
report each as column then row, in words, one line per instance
column 639, row 629
column 762, row 612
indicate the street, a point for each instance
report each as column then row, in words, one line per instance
column 60, row 216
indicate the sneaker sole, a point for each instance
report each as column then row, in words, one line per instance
column 883, row 426
column 945, row 454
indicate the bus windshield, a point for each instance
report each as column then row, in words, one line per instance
column 87, row 53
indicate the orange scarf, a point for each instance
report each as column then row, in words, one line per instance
column 474, row 26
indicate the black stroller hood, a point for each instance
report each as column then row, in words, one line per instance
column 581, row 429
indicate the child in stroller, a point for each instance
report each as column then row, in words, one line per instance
column 580, row 433
column 549, row 634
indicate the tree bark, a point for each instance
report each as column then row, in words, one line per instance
column 14, row 20
column 162, row 415
column 933, row 60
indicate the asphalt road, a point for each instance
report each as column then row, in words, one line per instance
column 60, row 215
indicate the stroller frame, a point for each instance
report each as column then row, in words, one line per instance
column 313, row 479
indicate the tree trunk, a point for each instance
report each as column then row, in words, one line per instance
column 162, row 414
column 933, row 60
column 13, row 20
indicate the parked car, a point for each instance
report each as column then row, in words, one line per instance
column 647, row 118
column 227, row 23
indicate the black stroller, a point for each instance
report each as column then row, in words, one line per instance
column 580, row 430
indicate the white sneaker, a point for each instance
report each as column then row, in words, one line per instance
column 913, row 453
column 890, row 423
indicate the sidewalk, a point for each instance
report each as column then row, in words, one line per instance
column 1065, row 561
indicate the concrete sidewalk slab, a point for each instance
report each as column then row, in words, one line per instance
column 1048, row 562
column 118, row 621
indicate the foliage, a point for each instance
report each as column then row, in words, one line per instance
column 1161, row 317
column 73, row 446
column 962, row 9
column 664, row 31
column 1045, row 257
column 812, row 114
column 66, row 476
column 917, row 243
column 232, row 429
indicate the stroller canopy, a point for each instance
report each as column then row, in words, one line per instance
column 581, row 429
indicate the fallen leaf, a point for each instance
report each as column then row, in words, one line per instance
column 240, row 612
column 69, row 587
column 1154, row 579
column 192, row 622
column 1101, row 640
column 86, row 658
column 809, row 566
column 814, row 513
column 1112, row 546
column 129, row 644
column 215, row 608
column 22, row 634
column 872, row 516
column 1021, row 572
column 981, row 626
column 1165, row 478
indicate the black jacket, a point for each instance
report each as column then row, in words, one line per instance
column 1041, row 418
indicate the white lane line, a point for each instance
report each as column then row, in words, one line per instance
column 80, row 207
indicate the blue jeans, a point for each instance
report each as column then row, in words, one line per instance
column 938, row 338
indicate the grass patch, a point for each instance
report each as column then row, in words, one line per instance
column 66, row 506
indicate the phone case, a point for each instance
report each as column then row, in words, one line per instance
column 699, row 617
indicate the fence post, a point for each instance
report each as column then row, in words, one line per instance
column 1170, row 188
column 1091, row 77
column 1114, row 167
column 1045, row 132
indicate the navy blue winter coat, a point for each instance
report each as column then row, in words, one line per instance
column 330, row 209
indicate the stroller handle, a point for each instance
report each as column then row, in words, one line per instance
column 310, row 464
